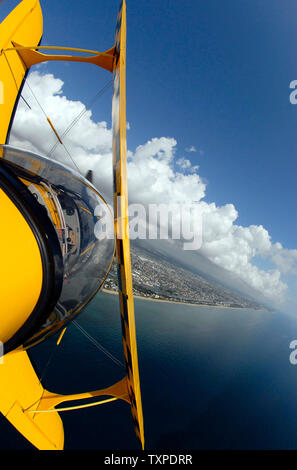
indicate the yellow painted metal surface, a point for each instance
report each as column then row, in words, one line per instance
column 54, row 130
column 61, row 336
column 21, row 271
column 50, row 400
column 23, row 400
column 122, row 225
column 21, row 266
column 23, row 25
column 50, row 204
column 20, row 388
column 32, row 57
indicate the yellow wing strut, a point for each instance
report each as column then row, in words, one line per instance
column 23, row 400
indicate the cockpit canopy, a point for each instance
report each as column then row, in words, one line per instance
column 77, row 212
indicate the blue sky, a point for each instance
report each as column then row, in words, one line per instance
column 210, row 74
column 213, row 75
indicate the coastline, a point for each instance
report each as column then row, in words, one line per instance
column 112, row 292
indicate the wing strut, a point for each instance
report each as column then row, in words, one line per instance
column 23, row 400
column 119, row 147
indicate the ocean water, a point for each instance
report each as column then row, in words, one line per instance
column 211, row 378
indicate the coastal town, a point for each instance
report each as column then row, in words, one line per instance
column 162, row 279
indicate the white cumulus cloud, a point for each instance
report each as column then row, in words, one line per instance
column 184, row 163
column 191, row 149
column 152, row 178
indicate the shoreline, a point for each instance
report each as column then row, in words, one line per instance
column 112, row 292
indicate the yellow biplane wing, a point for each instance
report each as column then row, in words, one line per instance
column 23, row 400
column 119, row 147
column 24, row 25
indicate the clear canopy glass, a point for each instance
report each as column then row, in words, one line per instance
column 76, row 209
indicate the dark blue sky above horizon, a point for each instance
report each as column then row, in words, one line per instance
column 214, row 75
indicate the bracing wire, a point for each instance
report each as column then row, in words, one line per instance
column 98, row 345
column 25, row 101
column 72, row 124
column 64, row 146
column 81, row 113
column 69, row 154
column 50, row 358
column 91, row 339
column 36, row 99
